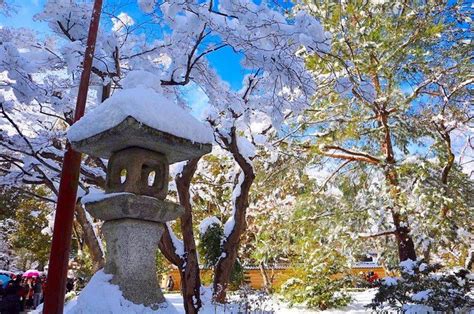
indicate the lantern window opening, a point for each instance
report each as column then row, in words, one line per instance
column 151, row 175
column 123, row 175
column 151, row 178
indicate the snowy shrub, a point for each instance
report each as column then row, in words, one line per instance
column 210, row 245
column 210, row 251
column 255, row 301
column 237, row 276
column 319, row 285
column 423, row 284
column 314, row 292
column 6, row 258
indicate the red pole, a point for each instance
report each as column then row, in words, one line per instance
column 61, row 244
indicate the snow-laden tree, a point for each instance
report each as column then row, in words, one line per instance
column 278, row 86
column 9, row 201
column 36, row 106
column 7, row 259
column 40, row 76
column 393, row 68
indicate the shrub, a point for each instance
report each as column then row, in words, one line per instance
column 319, row 286
column 237, row 275
column 210, row 250
column 423, row 284
column 255, row 301
column 210, row 245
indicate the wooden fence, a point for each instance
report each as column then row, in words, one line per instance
column 254, row 278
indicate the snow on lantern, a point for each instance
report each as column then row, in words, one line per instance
column 141, row 133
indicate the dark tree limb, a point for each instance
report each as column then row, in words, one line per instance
column 230, row 246
column 188, row 264
column 90, row 238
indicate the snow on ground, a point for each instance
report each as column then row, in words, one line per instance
column 357, row 306
column 146, row 106
column 100, row 296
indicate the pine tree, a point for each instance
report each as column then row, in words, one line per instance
column 389, row 61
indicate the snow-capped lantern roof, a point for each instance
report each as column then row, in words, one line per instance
column 141, row 117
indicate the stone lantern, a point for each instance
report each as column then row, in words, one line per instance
column 133, row 208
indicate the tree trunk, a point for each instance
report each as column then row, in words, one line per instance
column 190, row 277
column 222, row 273
column 406, row 246
column 167, row 248
column 445, row 173
column 106, row 91
column 267, row 282
column 188, row 264
column 230, row 246
column 427, row 254
column 90, row 238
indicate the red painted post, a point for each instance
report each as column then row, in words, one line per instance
column 61, row 244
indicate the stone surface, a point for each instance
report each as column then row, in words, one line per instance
column 130, row 258
column 134, row 206
column 133, row 166
column 131, row 133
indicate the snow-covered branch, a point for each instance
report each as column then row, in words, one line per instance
column 347, row 154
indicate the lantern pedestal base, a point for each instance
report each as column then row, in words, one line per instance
column 132, row 230
column 131, row 258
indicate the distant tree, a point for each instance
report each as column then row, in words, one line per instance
column 29, row 239
column 9, row 200
column 22, row 221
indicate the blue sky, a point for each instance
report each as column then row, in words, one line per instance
column 225, row 61
column 26, row 9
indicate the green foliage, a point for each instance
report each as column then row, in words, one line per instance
column 85, row 269
column 321, row 246
column 237, row 276
column 424, row 284
column 30, row 244
column 319, row 284
column 9, row 201
column 213, row 177
column 322, row 293
column 209, row 248
column 163, row 267
column 210, row 245
column 271, row 234
column 408, row 62
column 427, row 197
column 71, row 295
